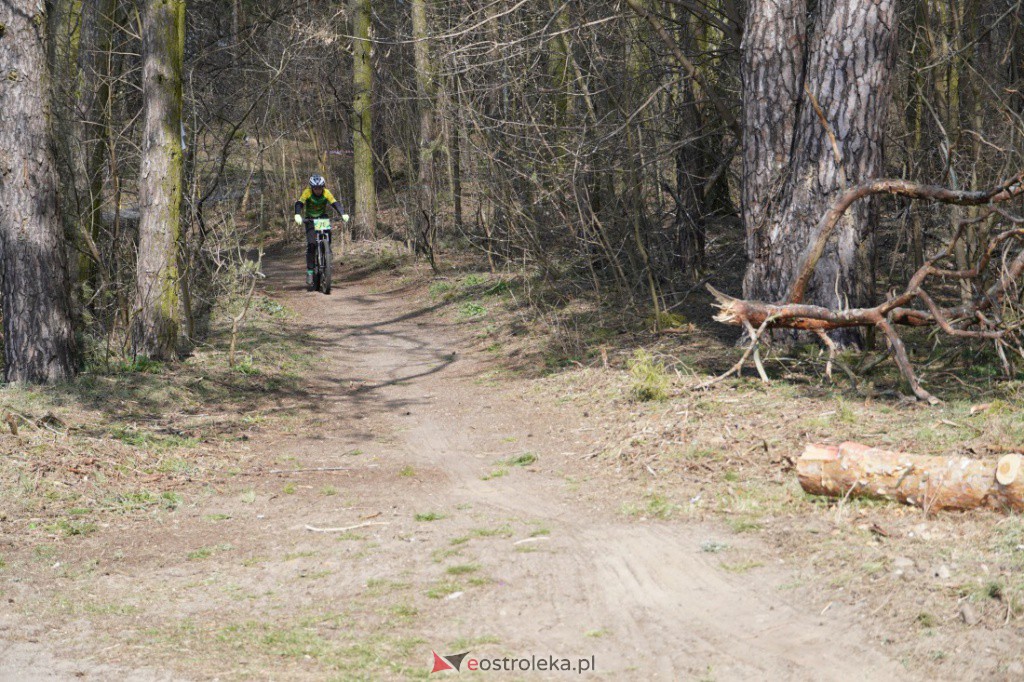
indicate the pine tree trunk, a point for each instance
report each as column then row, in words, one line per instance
column 35, row 292
column 815, row 96
column 362, row 120
column 156, row 326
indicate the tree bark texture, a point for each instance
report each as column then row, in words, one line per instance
column 932, row 483
column 157, row 322
column 362, row 119
column 35, row 291
column 424, row 221
column 815, row 94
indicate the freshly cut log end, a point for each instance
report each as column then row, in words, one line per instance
column 932, row 483
column 1006, row 470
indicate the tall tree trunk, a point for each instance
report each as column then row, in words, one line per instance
column 815, row 95
column 156, row 326
column 35, row 291
column 64, row 20
column 362, row 120
column 236, row 12
column 95, row 62
column 455, row 153
column 424, row 220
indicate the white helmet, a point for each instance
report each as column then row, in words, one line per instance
column 317, row 181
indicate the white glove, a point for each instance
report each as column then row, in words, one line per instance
column 298, row 219
column 344, row 216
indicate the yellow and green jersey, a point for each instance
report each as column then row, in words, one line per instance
column 316, row 206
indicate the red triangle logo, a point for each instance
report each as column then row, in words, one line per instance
column 440, row 663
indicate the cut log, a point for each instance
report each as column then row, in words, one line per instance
column 932, row 483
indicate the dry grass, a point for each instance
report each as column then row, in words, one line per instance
column 129, row 438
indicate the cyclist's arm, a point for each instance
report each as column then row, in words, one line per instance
column 335, row 204
column 301, row 203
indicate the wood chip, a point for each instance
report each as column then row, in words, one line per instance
column 540, row 538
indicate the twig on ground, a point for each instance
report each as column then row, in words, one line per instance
column 347, row 528
column 305, row 471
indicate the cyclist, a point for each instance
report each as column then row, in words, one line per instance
column 315, row 199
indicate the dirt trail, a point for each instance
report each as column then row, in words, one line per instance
column 401, row 391
column 669, row 609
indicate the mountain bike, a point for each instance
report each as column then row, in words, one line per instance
column 322, row 270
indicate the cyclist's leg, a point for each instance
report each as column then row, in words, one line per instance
column 310, row 245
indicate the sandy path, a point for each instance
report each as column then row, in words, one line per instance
column 642, row 598
column 670, row 610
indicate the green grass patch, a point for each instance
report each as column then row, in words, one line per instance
column 141, row 438
column 207, row 552
column 442, row 589
column 439, row 289
column 525, row 459
column 500, row 531
column 472, row 309
column 650, row 381
column 71, row 527
column 462, row 569
column 655, row 505
column 744, row 525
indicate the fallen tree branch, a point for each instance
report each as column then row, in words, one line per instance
column 914, row 190
column 954, row 320
column 755, row 339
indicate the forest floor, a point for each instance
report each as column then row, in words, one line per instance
column 417, row 464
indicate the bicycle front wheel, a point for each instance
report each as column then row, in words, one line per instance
column 325, row 277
